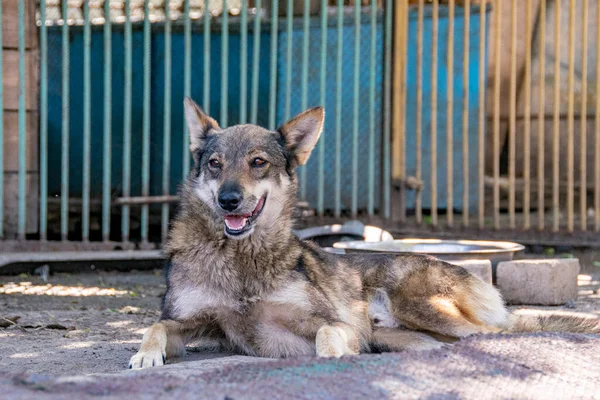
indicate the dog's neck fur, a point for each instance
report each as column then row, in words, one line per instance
column 250, row 266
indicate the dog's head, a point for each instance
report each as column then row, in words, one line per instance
column 245, row 173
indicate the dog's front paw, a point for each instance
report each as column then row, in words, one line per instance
column 333, row 341
column 147, row 359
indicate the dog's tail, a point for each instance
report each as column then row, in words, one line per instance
column 553, row 323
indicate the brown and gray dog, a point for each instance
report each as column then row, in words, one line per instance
column 237, row 274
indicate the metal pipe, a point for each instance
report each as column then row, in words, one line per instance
column 527, row 119
column 512, row 115
column 244, row 62
column 465, row 116
column 481, row 120
column 87, row 122
column 496, row 138
column 338, row 109
column 323, row 83
column 187, row 83
column 449, row 118
column 166, row 167
column 419, row 116
column 206, row 60
column 556, row 129
column 355, row 97
column 571, row 120
column 224, row 64
column 434, row 118
column 107, row 140
column 304, row 82
column 147, row 121
column 126, row 184
column 387, row 109
column 22, row 218
column 64, row 184
column 371, row 146
column 144, row 200
column 541, row 122
column 273, row 66
column 583, row 134
column 43, row 124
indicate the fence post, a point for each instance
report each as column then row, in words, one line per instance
column 10, row 107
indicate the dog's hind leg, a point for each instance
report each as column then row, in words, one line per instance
column 394, row 339
column 336, row 340
column 165, row 339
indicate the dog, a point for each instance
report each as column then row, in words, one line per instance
column 237, row 275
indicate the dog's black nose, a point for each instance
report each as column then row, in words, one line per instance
column 230, row 199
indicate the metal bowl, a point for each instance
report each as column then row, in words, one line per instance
column 447, row 250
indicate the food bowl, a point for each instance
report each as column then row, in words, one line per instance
column 447, row 250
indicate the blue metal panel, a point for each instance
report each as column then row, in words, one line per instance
column 442, row 103
column 314, row 99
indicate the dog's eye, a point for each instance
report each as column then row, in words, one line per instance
column 214, row 163
column 376, row 321
column 258, row 162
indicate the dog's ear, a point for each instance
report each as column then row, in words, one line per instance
column 199, row 125
column 302, row 133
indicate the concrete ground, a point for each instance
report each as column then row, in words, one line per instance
column 93, row 323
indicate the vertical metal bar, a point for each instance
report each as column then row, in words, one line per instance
column 167, row 123
column 273, row 66
column 541, row 122
column 556, row 132
column 87, row 126
column 255, row 63
column 206, row 65
column 354, row 203
column 2, row 131
column 387, row 109
column 146, row 122
column 107, row 140
column 224, row 64
column 434, row 118
column 187, row 81
column 571, row 120
column 449, row 118
column 244, row 63
column 304, row 82
column 288, row 59
column 372, row 66
column 43, row 125
column 338, row 109
column 22, row 126
column 527, row 118
column 419, row 125
column 496, row 144
column 126, row 185
column 512, row 114
column 399, row 102
column 323, row 84
column 465, row 115
column 481, row 121
column 64, row 189
column 597, row 134
column 583, row 118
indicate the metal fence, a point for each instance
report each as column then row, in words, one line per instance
column 443, row 117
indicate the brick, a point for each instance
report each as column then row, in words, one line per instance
column 10, row 24
column 10, row 74
column 538, row 282
column 11, row 141
column 480, row 268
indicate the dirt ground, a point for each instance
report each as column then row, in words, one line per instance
column 93, row 322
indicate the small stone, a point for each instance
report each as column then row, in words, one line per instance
column 570, row 304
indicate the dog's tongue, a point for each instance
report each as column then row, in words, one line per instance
column 235, row 222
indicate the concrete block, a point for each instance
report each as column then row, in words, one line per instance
column 540, row 282
column 480, row 268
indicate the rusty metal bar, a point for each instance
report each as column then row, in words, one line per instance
column 527, row 119
column 481, row 121
column 434, row 100
column 597, row 134
column 144, row 200
column 465, row 115
column 496, row 139
column 556, row 127
column 571, row 120
column 541, row 121
column 512, row 115
column 449, row 116
column 419, row 125
column 583, row 121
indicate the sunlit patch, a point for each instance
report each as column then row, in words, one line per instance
column 78, row 345
column 24, row 355
column 119, row 324
column 28, row 288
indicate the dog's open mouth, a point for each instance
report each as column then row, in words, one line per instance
column 239, row 224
